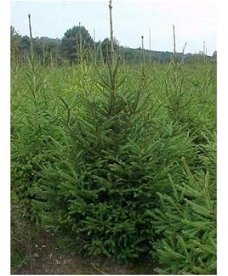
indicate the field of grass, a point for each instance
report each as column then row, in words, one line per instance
column 116, row 162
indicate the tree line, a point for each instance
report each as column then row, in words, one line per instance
column 77, row 45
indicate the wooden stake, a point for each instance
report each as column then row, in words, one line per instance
column 31, row 40
column 80, row 44
column 184, row 47
column 94, row 34
column 143, row 57
column 142, row 37
column 150, row 44
column 111, row 30
column 174, row 40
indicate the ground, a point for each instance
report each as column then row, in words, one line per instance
column 48, row 259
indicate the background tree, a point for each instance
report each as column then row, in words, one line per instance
column 25, row 44
column 50, row 50
column 106, row 48
column 74, row 40
column 214, row 56
column 15, row 44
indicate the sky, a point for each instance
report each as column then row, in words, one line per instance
column 195, row 21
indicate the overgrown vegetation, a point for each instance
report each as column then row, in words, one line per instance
column 115, row 159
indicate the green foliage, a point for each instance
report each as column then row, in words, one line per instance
column 46, row 50
column 31, row 127
column 14, row 45
column 75, row 42
column 105, row 180
column 99, row 197
column 92, row 145
column 71, row 49
column 186, row 226
column 177, row 98
column 106, row 49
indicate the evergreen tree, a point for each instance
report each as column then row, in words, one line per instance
column 101, row 193
column 75, row 41
column 186, row 226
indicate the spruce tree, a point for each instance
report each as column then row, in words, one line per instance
column 185, row 226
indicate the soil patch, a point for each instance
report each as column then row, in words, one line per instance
column 48, row 259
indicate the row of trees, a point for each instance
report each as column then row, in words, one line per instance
column 77, row 45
